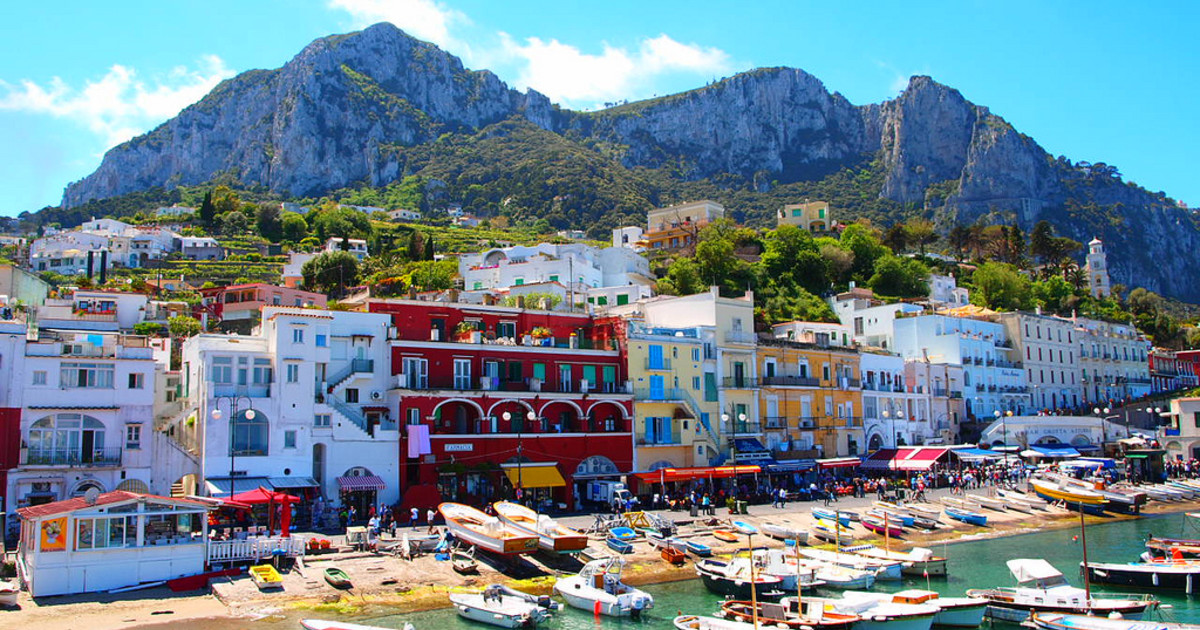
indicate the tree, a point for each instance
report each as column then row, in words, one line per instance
column 293, row 228
column 269, row 222
column 149, row 329
column 1053, row 294
column 225, row 200
column 683, row 278
column 416, row 246
column 207, row 210
column 1000, row 286
column 839, row 259
column 1041, row 241
column 431, row 275
column 429, row 249
column 1143, row 302
column 794, row 303
column 960, row 241
column 341, row 223
column 330, row 272
column 899, row 277
column 921, row 233
column 896, row 238
column 864, row 242
column 234, row 223
column 183, row 326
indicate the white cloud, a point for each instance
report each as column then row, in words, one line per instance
column 424, row 19
column 119, row 105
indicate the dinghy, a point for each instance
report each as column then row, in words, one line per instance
column 493, row 608
column 486, row 532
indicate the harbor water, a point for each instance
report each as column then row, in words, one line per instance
column 977, row 564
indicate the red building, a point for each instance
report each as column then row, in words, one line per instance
column 485, row 387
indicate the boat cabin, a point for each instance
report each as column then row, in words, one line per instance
column 913, row 596
column 99, row 542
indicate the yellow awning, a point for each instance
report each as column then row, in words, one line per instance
column 535, row 476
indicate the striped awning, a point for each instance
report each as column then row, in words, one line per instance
column 360, row 483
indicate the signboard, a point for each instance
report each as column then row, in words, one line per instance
column 54, row 534
column 459, row 448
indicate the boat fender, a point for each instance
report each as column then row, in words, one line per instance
column 1115, row 615
column 1155, row 579
column 595, row 606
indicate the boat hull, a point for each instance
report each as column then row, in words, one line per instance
column 1018, row 613
column 907, row 622
column 583, row 597
column 513, row 614
column 619, row 546
column 1147, row 576
column 960, row 616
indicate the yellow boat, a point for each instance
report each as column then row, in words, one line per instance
column 266, row 577
column 1074, row 498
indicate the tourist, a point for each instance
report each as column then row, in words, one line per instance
column 414, row 516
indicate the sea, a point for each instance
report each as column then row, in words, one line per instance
column 975, row 564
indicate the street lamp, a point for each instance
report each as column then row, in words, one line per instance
column 1003, row 418
column 233, row 414
column 1103, row 423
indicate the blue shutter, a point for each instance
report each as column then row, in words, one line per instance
column 656, row 357
column 649, row 430
column 657, row 387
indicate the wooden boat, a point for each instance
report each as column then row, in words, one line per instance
column 953, row 612
column 598, row 589
column 1014, row 497
column 990, row 503
column 918, row 562
column 955, row 502
column 804, row 573
column 923, row 509
column 618, row 545
column 324, row 624
column 725, row 535
column 878, row 526
column 9, row 592
column 552, row 536
column 880, row 613
column 1173, row 575
column 486, row 532
column 734, row 578
column 698, row 549
column 493, row 608
column 831, row 515
column 781, row 532
column 1075, row 498
column 673, row 555
column 790, row 614
column 1042, row 588
column 1173, row 548
column 698, row 622
column 895, row 518
column 1058, row 621
column 337, row 578
column 623, row 533
column 884, row 569
column 828, row 532
column 463, row 561
column 265, row 577
column 1126, row 502
column 966, row 516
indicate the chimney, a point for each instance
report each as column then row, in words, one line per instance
column 412, row 293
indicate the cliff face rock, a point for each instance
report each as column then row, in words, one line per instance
column 926, row 133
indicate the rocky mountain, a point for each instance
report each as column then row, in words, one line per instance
column 367, row 108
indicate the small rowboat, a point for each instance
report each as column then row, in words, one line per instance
column 878, row 526
column 698, row 549
column 618, row 545
column 896, row 518
column 830, row 515
column 967, row 516
column 988, row 502
column 622, row 533
column 725, row 535
column 265, row 577
column 463, row 561
column 673, row 555
column 337, row 578
column 781, row 532
column 492, row 534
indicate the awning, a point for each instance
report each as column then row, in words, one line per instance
column 798, row 465
column 905, row 458
column 287, row 483
column 838, row 462
column 700, row 472
column 361, row 483
column 534, row 475
column 880, row 460
column 1062, row 451
column 1136, row 456
column 225, row 485
column 976, row 454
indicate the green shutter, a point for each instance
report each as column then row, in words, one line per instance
column 710, row 387
column 589, row 373
column 622, row 299
column 610, row 373
column 539, row 371
column 514, row 371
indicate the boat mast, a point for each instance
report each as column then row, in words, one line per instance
column 887, row 547
column 1087, row 583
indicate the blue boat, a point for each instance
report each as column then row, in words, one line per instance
column 830, row 515
column 744, row 527
column 619, row 546
column 966, row 516
column 622, row 533
column 699, row 549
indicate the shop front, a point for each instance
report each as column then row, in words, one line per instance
column 359, row 489
column 537, row 484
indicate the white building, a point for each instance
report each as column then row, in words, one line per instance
column 356, row 246
column 400, row 214
column 581, row 267
column 292, row 275
column 174, row 211
column 1047, row 347
column 871, row 322
column 820, row 333
column 317, row 382
column 70, row 253
column 627, row 236
column 1097, row 269
column 895, row 413
column 944, row 292
column 1113, row 360
column 200, row 248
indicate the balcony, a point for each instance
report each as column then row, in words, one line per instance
column 739, row 382
column 850, row 383
column 791, row 381
column 74, row 457
column 806, row 423
column 775, row 422
column 939, row 392
column 749, row 427
column 658, row 365
column 256, row 390
column 956, row 394
column 740, row 336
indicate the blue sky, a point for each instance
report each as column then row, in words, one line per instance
column 1099, row 81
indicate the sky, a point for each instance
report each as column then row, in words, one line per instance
column 1101, row 81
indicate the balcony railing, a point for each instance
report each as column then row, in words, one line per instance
column 658, row 364
column 792, row 381
column 748, row 427
column 956, row 394
column 806, row 423
column 97, row 457
column 739, row 382
column 775, row 422
column 740, row 336
column 939, row 392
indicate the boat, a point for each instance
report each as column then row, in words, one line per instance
column 1174, row 548
column 1184, row 492
column 1152, row 491
column 850, row 514
column 598, row 589
column 1178, row 575
column 1014, row 497
column 734, row 578
column 884, row 569
column 463, row 561
column 1125, row 502
column 337, row 578
column 901, row 519
column 658, row 541
column 952, row 612
column 879, row 526
column 698, row 549
column 955, row 502
column 880, row 613
column 782, row 532
column 552, row 536
column 807, row 573
column 1059, row 621
column 923, row 509
column 1042, row 588
column 699, row 622
column 324, row 624
column 673, row 555
column 918, row 562
column 790, row 613
column 828, row 532
column 623, row 533
column 831, row 515
column 725, row 535
column 618, row 545
column 486, row 532
column 9, row 592
column 1018, row 506
column 544, row 601
column 493, row 608
column 966, row 516
column 265, row 577
column 1075, row 498
column 990, row 503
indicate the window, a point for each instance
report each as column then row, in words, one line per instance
column 249, row 435
column 696, row 383
column 322, row 420
column 554, row 278
column 133, row 436
column 222, row 370
column 87, row 375
column 293, row 373
column 351, row 395
column 518, row 282
column 696, row 356
column 414, row 416
column 262, row 371
column 137, row 380
column 322, row 341
column 506, row 329
column 39, row 377
column 289, row 438
column 67, row 438
column 297, row 335
column 105, row 533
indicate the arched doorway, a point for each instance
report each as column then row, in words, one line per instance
column 561, row 416
column 83, row 486
column 596, row 465
column 875, row 443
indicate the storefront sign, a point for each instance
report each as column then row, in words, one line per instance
column 460, row 448
column 54, row 534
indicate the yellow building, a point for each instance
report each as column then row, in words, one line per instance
column 677, row 226
column 813, row 216
column 811, row 396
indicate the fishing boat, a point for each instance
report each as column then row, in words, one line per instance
column 9, row 592
column 1075, row 498
column 1126, row 502
column 884, row 569
column 1178, row 575
column 735, row 578
column 1173, row 548
column 623, row 533
column 1154, row 492
column 805, row 573
column 918, row 562
column 463, row 561
column 698, row 622
column 493, row 608
column 966, row 516
column 265, row 577
column 990, row 503
column 673, row 555
column 598, row 589
column 1042, row 588
column 903, row 519
column 698, row 549
column 324, row 624
column 486, row 532
column 881, row 614
column 1058, row 621
column 782, row 532
column 337, row 578
column 952, row 612
column 828, row 532
column 725, row 535
column 881, row 527
column 831, row 515
column 791, row 613
column 552, row 536
column 618, row 545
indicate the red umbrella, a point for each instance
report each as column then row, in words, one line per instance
column 261, row 496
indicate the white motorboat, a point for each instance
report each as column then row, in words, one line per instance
column 699, row 622
column 784, row 564
column 598, row 589
column 1042, row 588
column 918, row 562
column 1054, row 621
column 486, row 532
column 494, row 608
column 953, row 612
column 883, row 569
column 827, row 531
column 552, row 536
column 880, row 614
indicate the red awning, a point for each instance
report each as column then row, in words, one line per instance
column 905, row 458
column 839, row 462
column 880, row 460
column 361, row 482
column 262, row 496
column 703, row 472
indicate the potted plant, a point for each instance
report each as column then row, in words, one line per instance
column 541, row 336
column 462, row 332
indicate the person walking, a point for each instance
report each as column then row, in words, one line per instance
column 414, row 517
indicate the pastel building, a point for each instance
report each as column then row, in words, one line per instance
column 676, row 226
column 812, row 216
column 870, row 321
column 1049, row 352
column 1113, row 360
column 581, row 268
column 245, row 301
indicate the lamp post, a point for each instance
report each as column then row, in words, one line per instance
column 1003, row 418
column 1104, row 426
column 887, row 416
column 233, row 414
